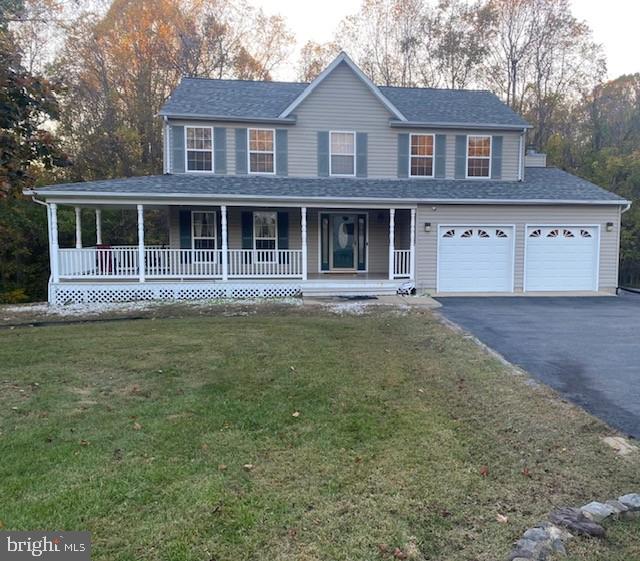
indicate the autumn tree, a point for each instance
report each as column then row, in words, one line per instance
column 314, row 58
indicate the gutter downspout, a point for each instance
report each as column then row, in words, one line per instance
column 165, row 144
column 521, row 156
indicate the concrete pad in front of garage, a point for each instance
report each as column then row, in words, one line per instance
column 588, row 349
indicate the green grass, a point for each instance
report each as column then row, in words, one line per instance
column 138, row 432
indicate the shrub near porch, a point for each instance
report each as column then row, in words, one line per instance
column 290, row 435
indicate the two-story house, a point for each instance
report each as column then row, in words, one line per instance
column 341, row 187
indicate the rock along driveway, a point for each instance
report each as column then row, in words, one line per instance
column 588, row 349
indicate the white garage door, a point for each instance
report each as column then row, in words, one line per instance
column 561, row 258
column 475, row 259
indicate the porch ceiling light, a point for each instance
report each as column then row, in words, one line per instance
column 427, row 226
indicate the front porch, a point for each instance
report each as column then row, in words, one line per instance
column 233, row 252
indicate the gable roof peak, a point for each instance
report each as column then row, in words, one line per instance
column 343, row 57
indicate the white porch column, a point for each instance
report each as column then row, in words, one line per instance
column 392, row 229
column 78, row 228
column 53, row 241
column 412, row 246
column 141, row 243
column 98, row 226
column 225, row 244
column 303, row 231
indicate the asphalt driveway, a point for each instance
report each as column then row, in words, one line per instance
column 588, row 349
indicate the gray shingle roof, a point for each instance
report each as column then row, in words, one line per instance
column 541, row 184
column 267, row 100
column 430, row 105
column 231, row 98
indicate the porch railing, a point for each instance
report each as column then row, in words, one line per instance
column 402, row 263
column 255, row 263
column 121, row 262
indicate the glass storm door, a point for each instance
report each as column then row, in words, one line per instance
column 344, row 241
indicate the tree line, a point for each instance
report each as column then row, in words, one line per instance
column 82, row 81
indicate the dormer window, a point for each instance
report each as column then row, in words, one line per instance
column 478, row 156
column 262, row 151
column 343, row 153
column 199, row 148
column 421, row 157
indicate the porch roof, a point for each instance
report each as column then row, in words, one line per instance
column 541, row 186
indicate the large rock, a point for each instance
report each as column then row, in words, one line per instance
column 535, row 549
column 574, row 520
column 631, row 501
column 597, row 512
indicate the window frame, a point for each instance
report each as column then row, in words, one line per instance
column 187, row 150
column 255, row 238
column 215, row 230
column 249, row 151
column 353, row 155
column 433, row 155
column 490, row 157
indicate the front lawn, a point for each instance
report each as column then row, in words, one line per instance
column 292, row 434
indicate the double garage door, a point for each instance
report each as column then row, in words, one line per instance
column 481, row 258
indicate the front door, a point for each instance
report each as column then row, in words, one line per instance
column 343, row 242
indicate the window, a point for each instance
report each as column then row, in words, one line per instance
column 199, row 147
column 343, row 153
column 261, row 151
column 265, row 235
column 478, row 156
column 203, row 229
column 421, row 163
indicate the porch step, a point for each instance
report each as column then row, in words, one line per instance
column 350, row 288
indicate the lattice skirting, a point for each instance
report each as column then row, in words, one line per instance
column 62, row 294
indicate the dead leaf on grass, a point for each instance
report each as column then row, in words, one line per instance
column 84, row 443
column 247, row 467
column 222, row 467
column 296, row 414
column 502, row 519
column 525, row 472
column 399, row 554
column 137, row 426
column 383, row 549
column 484, row 471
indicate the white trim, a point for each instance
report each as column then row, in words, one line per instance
column 187, row 150
column 94, row 197
column 342, row 57
column 520, row 156
column 331, row 154
column 486, row 225
column 392, row 242
column 355, row 211
column 215, row 228
column 556, row 225
column 98, row 226
column 412, row 245
column 225, row 242
column 141, row 260
column 249, row 172
column 433, row 155
column 303, row 241
column 78, row 211
column 466, row 161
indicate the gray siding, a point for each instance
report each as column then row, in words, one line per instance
column 343, row 102
column 520, row 216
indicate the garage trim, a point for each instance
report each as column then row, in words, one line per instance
column 478, row 225
column 556, row 225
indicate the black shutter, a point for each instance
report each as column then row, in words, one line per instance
column 185, row 229
column 324, row 241
column 323, row 153
column 496, row 157
column 220, row 150
column 283, row 230
column 461, row 156
column 247, row 230
column 403, row 154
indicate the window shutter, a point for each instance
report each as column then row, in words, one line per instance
column 440, row 156
column 283, row 230
column 177, row 149
column 403, row 154
column 362, row 240
column 247, row 230
column 461, row 156
column 241, row 151
column 324, row 243
column 220, row 150
column 496, row 157
column 185, row 229
column 361, row 154
column 323, row 153
column 219, row 229
column 282, row 151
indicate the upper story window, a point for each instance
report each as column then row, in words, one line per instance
column 478, row 156
column 262, row 151
column 421, row 163
column 199, row 147
column 342, row 153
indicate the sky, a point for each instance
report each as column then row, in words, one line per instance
column 614, row 24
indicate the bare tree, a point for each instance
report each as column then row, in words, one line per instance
column 314, row 57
